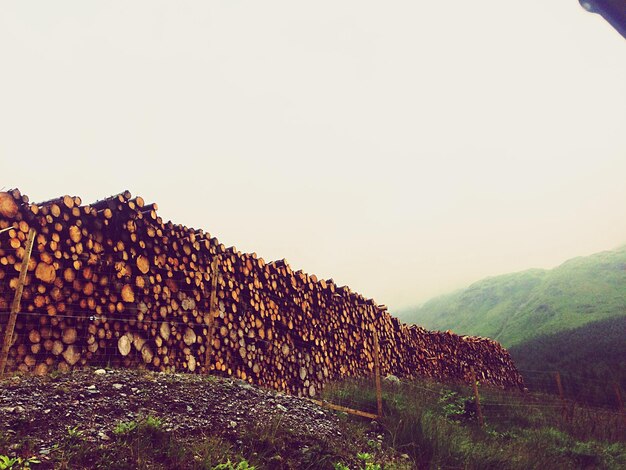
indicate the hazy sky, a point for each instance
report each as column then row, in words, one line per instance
column 403, row 148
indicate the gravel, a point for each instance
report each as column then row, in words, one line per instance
column 95, row 401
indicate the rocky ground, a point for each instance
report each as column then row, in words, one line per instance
column 39, row 416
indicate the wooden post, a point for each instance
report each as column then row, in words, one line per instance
column 379, row 391
column 15, row 306
column 618, row 394
column 479, row 411
column 620, row 402
column 345, row 409
column 559, row 385
column 212, row 314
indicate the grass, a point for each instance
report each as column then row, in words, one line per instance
column 144, row 443
column 514, row 308
column 274, row 446
column 434, row 424
column 437, row 426
column 591, row 361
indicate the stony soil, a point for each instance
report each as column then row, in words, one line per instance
column 95, row 401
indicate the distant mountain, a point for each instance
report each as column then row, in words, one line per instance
column 514, row 308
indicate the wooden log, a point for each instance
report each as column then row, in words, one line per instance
column 143, row 264
column 147, row 354
column 71, row 354
column 139, row 283
column 69, row 335
column 189, row 337
column 112, row 201
column 8, row 206
column 127, row 293
column 45, row 272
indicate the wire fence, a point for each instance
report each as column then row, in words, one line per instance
column 502, row 412
column 117, row 319
column 112, row 319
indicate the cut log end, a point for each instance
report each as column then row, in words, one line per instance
column 143, row 264
column 71, row 355
column 8, row 206
column 123, row 345
column 45, row 272
column 127, row 293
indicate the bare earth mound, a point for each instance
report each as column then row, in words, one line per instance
column 40, row 415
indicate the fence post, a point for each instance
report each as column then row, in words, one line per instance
column 481, row 420
column 559, row 386
column 15, row 306
column 212, row 312
column 620, row 402
column 379, row 392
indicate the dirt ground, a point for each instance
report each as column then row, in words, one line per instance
column 37, row 413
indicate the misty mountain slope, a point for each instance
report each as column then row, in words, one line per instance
column 515, row 307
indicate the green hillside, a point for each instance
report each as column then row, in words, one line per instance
column 516, row 307
column 591, row 360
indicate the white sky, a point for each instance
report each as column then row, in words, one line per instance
column 403, row 148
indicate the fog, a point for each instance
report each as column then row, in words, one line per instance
column 402, row 148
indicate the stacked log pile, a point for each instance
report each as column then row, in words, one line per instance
column 110, row 283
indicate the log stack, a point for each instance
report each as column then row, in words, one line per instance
column 111, row 283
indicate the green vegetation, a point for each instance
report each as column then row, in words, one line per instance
column 146, row 443
column 436, row 425
column 124, row 428
column 426, row 425
column 7, row 463
column 590, row 359
column 516, row 307
column 228, row 465
column 571, row 319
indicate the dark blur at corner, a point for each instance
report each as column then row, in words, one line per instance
column 613, row 11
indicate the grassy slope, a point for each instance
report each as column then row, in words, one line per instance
column 591, row 359
column 436, row 425
column 516, row 307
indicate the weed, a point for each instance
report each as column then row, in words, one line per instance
column 152, row 423
column 367, row 458
column 74, row 433
column 148, row 424
column 7, row 462
column 53, row 374
column 124, row 428
column 269, row 440
column 242, row 465
column 502, row 435
column 374, row 445
column 318, row 455
column 206, row 451
column 455, row 407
